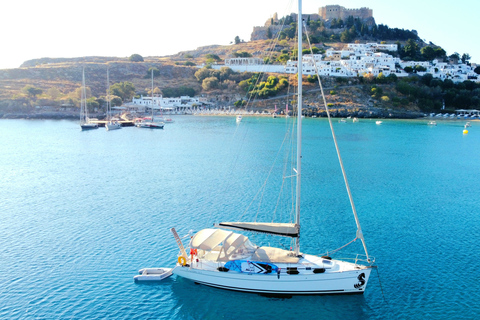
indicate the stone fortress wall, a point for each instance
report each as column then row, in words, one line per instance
column 324, row 13
column 339, row 12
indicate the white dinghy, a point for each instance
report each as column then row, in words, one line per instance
column 153, row 274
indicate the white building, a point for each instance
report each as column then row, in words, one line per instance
column 360, row 59
column 176, row 105
column 249, row 65
column 356, row 60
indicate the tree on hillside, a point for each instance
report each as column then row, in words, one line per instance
column 410, row 49
column 156, row 72
column 225, row 73
column 124, row 90
column 210, row 83
column 440, row 53
column 242, row 54
column 78, row 92
column 92, row 103
column 428, row 53
column 178, row 92
column 465, row 57
column 135, row 58
column 212, row 57
column 115, row 101
column 455, row 55
column 31, row 91
column 203, row 73
column 269, row 33
column 237, row 40
column 54, row 93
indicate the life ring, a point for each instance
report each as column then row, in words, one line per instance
column 182, row 260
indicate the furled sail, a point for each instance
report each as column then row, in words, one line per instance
column 280, row 229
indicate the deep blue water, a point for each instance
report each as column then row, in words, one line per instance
column 81, row 212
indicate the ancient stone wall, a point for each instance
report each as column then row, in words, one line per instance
column 339, row 12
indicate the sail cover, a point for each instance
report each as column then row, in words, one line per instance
column 279, row 229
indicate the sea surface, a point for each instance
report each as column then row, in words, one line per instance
column 82, row 212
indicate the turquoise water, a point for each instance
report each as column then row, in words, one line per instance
column 81, row 212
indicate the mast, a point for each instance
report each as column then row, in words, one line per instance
column 299, row 126
column 152, row 94
column 108, row 97
column 83, row 101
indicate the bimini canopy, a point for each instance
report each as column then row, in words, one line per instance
column 221, row 245
column 279, row 229
column 207, row 239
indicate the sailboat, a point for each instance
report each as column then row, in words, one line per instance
column 149, row 123
column 85, row 123
column 221, row 258
column 110, row 125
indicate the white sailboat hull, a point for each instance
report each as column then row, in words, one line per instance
column 346, row 282
column 113, row 126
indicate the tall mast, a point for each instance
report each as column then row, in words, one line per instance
column 152, row 94
column 83, row 102
column 299, row 126
column 108, row 96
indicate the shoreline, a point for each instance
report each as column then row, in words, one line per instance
column 67, row 115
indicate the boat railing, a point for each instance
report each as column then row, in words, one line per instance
column 357, row 259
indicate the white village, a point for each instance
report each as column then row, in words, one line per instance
column 358, row 60
column 352, row 61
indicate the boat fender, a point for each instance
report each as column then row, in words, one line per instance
column 318, row 270
column 292, row 270
column 222, row 269
column 278, row 273
column 327, row 257
column 182, row 261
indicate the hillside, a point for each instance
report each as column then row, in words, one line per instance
column 60, row 79
column 67, row 76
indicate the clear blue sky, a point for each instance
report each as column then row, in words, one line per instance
column 53, row 28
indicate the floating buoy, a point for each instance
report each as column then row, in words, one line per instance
column 465, row 131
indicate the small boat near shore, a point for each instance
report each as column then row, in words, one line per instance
column 148, row 122
column 111, row 123
column 85, row 121
column 152, row 274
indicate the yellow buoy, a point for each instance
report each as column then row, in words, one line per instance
column 465, row 131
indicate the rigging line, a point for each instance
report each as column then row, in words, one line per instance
column 263, row 187
column 380, row 282
column 269, row 174
column 359, row 228
column 284, row 175
column 293, row 155
column 271, row 51
column 329, row 252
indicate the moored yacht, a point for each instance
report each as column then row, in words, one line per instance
column 221, row 258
